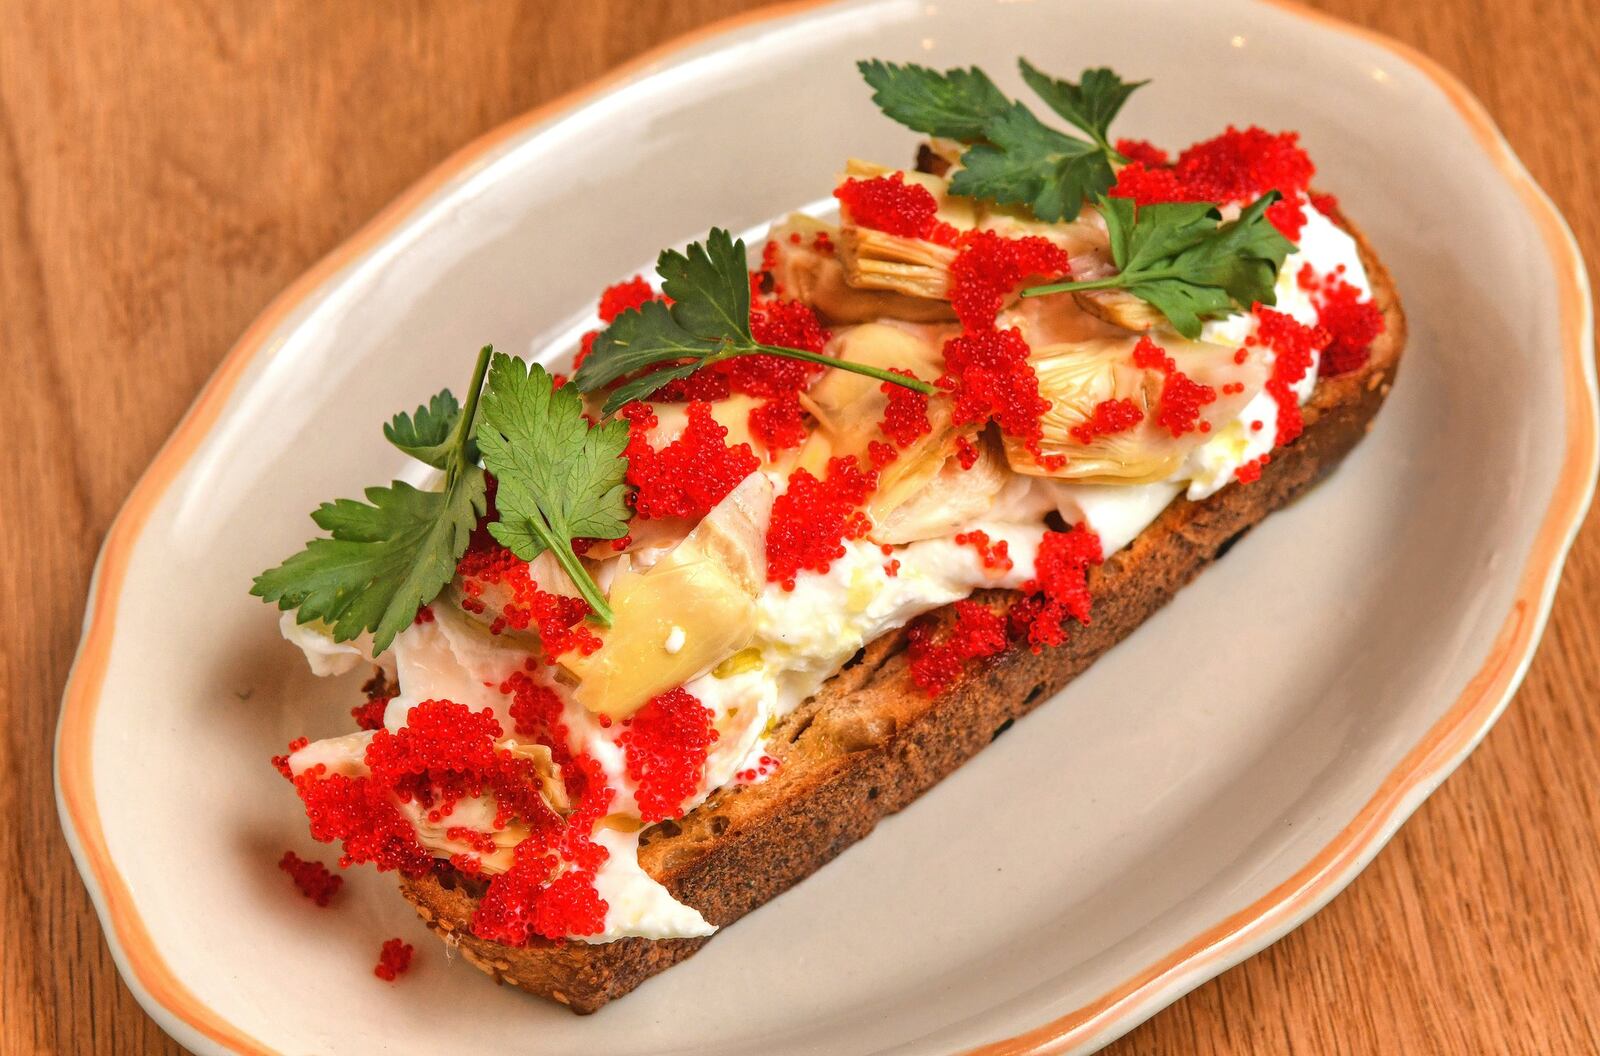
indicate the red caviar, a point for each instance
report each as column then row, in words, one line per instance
column 993, row 556
column 966, row 452
column 691, row 474
column 312, row 878
column 630, row 293
column 787, row 324
column 1059, row 587
column 990, row 267
column 812, row 519
column 1250, row 472
column 1182, row 398
column 557, row 618
column 1108, row 417
column 779, row 423
column 1293, row 346
column 1352, row 322
column 358, row 812
column 664, row 745
column 536, row 713
column 1141, row 150
column 393, row 960
column 990, row 378
column 905, row 417
column 764, row 766
column 890, row 204
column 939, row 661
column 1236, row 166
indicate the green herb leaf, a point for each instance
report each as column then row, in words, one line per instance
column 1015, row 159
column 387, row 557
column 1181, row 259
column 425, row 434
column 1033, row 165
column 708, row 322
column 956, row 104
column 1090, row 105
column 558, row 478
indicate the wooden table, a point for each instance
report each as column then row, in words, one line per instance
column 167, row 167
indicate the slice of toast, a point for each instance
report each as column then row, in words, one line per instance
column 871, row 741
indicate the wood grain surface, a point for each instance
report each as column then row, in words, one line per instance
column 167, row 166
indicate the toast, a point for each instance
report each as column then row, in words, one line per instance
column 870, row 742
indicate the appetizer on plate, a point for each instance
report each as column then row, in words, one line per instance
column 806, row 528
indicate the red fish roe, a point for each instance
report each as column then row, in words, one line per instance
column 549, row 889
column 691, row 474
column 664, row 744
column 358, row 812
column 905, row 418
column 369, row 716
column 995, row 557
column 446, row 753
column 1108, row 418
column 1060, row 587
column 393, row 960
column 764, row 766
column 822, row 243
column 312, row 878
column 585, row 347
column 1141, row 150
column 989, row 268
column 557, row 618
column 890, row 204
column 966, row 452
column 787, row 324
column 812, row 519
column 1293, row 346
column 990, row 378
column 280, row 763
column 1236, row 166
column 624, row 295
column 1352, row 321
column 779, row 423
column 1182, row 398
column 1250, row 472
column 536, row 713
column 1326, row 204
column 938, row 661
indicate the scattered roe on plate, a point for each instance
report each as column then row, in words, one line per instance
column 893, row 206
column 313, row 879
column 938, row 660
column 813, row 517
column 1059, row 588
column 1182, row 398
column 393, row 960
column 689, row 475
column 664, row 746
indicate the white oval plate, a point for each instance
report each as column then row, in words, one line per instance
column 1202, row 790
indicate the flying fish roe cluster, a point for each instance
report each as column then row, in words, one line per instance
column 1294, row 347
column 1236, row 166
column 890, row 204
column 1353, row 322
column 1108, row 418
column 1182, row 399
column 990, row 379
column 905, row 416
column 488, row 570
column 813, row 517
column 939, row 660
column 691, row 474
column 313, row 879
column 1059, row 588
column 989, row 268
column 664, row 746
column 625, row 295
column 993, row 556
column 393, row 960
column 369, row 715
column 787, row 324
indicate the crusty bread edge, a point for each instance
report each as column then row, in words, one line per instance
column 870, row 743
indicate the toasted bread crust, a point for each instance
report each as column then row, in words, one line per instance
column 871, row 742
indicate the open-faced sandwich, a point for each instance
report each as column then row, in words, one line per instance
column 808, row 526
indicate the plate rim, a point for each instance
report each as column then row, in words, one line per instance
column 1445, row 745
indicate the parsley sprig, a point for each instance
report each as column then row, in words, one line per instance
column 708, row 322
column 1187, row 263
column 1014, row 158
column 385, row 558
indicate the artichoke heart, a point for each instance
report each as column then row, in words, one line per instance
column 693, row 608
column 1077, row 377
column 877, row 260
column 817, row 277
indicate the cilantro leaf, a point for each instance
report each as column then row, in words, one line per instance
column 1181, row 259
column 387, row 557
column 1090, row 105
column 956, row 104
column 708, row 322
column 558, row 478
column 425, row 434
column 1032, row 164
column 1015, row 159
